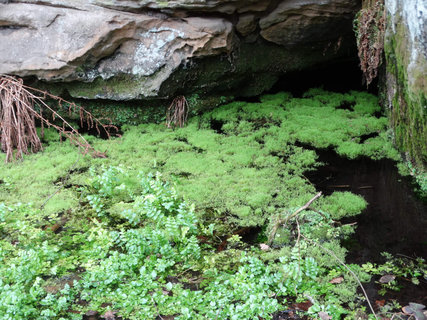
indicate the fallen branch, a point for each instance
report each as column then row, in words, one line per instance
column 285, row 220
column 157, row 309
column 299, row 255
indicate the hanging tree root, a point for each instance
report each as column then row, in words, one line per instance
column 17, row 122
column 370, row 28
column 21, row 106
column 177, row 113
column 285, row 220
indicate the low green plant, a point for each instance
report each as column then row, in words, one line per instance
column 395, row 269
column 420, row 177
column 133, row 264
column 128, row 243
column 26, row 257
column 139, row 254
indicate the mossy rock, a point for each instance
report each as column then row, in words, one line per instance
column 407, row 94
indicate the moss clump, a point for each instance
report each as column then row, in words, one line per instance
column 239, row 174
column 317, row 119
column 242, row 165
column 33, row 180
column 129, row 113
column 341, row 204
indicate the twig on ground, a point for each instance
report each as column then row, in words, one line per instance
column 157, row 309
column 285, row 220
column 217, row 315
column 299, row 254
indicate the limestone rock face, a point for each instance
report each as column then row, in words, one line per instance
column 68, row 44
column 295, row 21
column 51, row 42
column 222, row 6
column 406, row 76
column 138, row 49
column 246, row 24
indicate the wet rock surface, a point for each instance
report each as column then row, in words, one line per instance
column 405, row 84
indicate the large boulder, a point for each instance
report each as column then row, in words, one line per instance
column 127, row 49
column 406, row 76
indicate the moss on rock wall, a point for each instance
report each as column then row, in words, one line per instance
column 407, row 87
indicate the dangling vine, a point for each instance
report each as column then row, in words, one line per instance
column 369, row 27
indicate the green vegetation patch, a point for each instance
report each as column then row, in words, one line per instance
column 251, row 166
column 133, row 249
column 114, row 236
column 244, row 174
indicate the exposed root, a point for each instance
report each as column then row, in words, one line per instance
column 177, row 113
column 21, row 106
column 370, row 28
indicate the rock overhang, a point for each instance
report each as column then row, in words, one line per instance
column 124, row 50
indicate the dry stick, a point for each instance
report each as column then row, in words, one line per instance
column 73, row 131
column 217, row 315
column 402, row 255
column 81, row 110
column 282, row 221
column 345, row 266
column 399, row 315
column 157, row 309
column 17, row 123
column 299, row 254
column 15, row 95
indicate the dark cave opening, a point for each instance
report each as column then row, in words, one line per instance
column 341, row 76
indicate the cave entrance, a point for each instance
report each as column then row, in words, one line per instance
column 341, row 76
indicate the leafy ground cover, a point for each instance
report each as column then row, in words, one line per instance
column 140, row 234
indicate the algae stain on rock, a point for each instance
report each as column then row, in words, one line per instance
column 406, row 56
